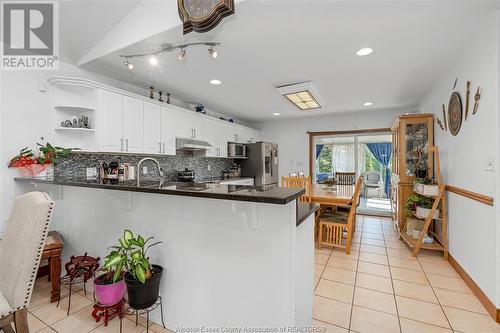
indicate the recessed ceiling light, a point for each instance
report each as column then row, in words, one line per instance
column 367, row 104
column 364, row 51
column 215, row 82
column 153, row 60
column 276, row 114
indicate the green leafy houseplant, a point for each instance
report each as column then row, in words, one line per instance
column 130, row 256
column 415, row 200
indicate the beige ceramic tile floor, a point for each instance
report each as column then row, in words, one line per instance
column 45, row 317
column 381, row 288
column 378, row 288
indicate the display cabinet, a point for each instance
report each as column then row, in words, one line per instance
column 412, row 136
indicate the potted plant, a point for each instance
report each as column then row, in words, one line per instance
column 141, row 277
column 425, row 186
column 38, row 164
column 110, row 287
column 420, row 206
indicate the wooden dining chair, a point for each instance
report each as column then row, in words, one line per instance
column 345, row 178
column 336, row 229
column 299, row 182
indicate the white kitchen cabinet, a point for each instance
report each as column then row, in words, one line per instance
column 152, row 129
column 217, row 136
column 110, row 127
column 132, row 121
column 184, row 125
column 167, row 131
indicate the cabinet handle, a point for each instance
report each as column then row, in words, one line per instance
column 160, row 146
column 121, row 144
column 126, row 144
column 194, row 131
column 164, row 149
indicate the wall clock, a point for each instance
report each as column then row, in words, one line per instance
column 455, row 113
column 203, row 15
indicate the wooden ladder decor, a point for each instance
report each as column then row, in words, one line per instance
column 440, row 239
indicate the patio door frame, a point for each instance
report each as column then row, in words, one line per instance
column 354, row 133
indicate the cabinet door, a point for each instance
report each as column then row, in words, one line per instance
column 132, row 124
column 151, row 128
column 184, row 125
column 236, row 134
column 110, row 121
column 254, row 135
column 223, row 133
column 168, row 131
column 209, row 134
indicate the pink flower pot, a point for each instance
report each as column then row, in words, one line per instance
column 110, row 294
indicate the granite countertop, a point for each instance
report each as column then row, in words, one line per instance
column 304, row 210
column 267, row 194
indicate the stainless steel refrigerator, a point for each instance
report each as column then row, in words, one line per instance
column 262, row 163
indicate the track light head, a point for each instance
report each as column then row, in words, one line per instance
column 212, row 52
column 128, row 64
column 182, row 55
column 153, row 60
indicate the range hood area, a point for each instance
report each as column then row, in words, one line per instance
column 191, row 144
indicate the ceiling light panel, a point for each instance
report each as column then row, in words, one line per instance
column 303, row 95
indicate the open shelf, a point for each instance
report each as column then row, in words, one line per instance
column 74, row 108
column 412, row 242
column 75, row 129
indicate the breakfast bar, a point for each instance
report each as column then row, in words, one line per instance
column 249, row 264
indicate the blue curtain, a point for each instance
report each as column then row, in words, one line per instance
column 319, row 148
column 382, row 152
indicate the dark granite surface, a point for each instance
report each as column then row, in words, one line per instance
column 271, row 195
column 304, row 210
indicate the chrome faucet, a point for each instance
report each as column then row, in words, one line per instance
column 160, row 170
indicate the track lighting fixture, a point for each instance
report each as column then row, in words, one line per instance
column 182, row 55
column 212, row 52
column 129, row 65
column 153, row 56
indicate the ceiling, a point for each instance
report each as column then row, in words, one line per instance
column 270, row 43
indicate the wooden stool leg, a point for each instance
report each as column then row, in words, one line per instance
column 55, row 277
column 21, row 321
column 7, row 329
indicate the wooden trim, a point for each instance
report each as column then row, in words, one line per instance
column 471, row 195
column 485, row 301
column 360, row 131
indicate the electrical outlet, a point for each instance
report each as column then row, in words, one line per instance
column 208, row 167
column 91, row 173
column 489, row 163
column 145, row 170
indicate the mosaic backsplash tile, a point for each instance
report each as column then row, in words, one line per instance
column 74, row 168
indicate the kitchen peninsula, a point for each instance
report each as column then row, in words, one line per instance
column 234, row 255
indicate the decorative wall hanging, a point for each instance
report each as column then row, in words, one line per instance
column 467, row 98
column 444, row 119
column 203, row 15
column 455, row 113
column 477, row 96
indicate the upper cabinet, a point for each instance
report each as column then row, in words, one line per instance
column 128, row 123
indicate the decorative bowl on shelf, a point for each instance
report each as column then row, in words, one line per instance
column 42, row 171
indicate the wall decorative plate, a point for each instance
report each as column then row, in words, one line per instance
column 455, row 113
column 203, row 15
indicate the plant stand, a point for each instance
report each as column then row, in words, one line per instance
column 78, row 270
column 440, row 230
column 109, row 312
column 131, row 311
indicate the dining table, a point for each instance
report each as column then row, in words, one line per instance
column 333, row 195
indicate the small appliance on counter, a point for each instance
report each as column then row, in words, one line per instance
column 236, row 150
column 262, row 163
column 115, row 171
column 233, row 172
column 186, row 175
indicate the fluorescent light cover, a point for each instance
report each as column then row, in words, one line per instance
column 215, row 82
column 303, row 95
column 364, row 51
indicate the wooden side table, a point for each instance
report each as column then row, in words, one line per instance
column 52, row 252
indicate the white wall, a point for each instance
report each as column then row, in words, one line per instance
column 473, row 227
column 293, row 140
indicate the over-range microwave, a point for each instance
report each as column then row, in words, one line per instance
column 236, row 150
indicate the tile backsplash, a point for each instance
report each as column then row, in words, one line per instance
column 74, row 168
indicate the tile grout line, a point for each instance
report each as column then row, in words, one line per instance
column 356, row 272
column 392, row 284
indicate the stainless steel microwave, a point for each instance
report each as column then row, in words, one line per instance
column 236, row 150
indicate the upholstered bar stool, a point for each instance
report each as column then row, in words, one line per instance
column 20, row 253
